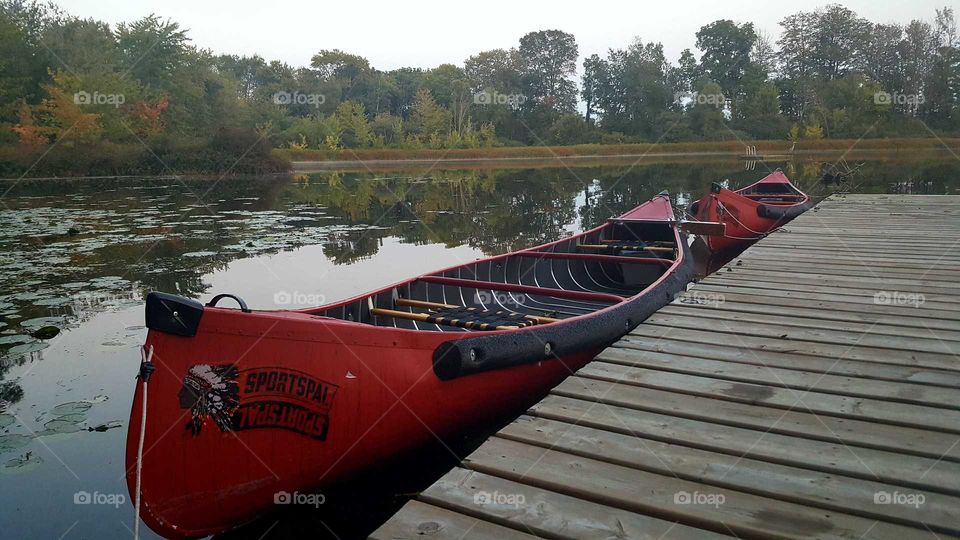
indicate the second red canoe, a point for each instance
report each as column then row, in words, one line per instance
column 751, row 212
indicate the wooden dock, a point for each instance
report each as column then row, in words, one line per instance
column 809, row 389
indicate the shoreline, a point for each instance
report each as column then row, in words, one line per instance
column 454, row 163
column 367, row 160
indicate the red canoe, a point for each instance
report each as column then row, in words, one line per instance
column 247, row 409
column 752, row 212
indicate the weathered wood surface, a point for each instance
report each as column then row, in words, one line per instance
column 789, row 395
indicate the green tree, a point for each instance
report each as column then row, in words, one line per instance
column 80, row 45
column 686, row 72
column 592, row 71
column 548, row 60
column 495, row 70
column 726, row 50
column 428, row 119
column 838, row 36
column 449, row 87
column 151, row 50
column 353, row 128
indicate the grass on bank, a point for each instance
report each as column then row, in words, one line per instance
column 507, row 152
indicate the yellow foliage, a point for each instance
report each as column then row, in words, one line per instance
column 57, row 117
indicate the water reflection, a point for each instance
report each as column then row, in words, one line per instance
column 77, row 256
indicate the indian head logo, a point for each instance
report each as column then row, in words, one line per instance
column 258, row 398
column 210, row 392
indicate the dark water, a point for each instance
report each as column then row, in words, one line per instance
column 76, row 258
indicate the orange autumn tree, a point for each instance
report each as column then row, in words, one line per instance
column 57, row 117
column 147, row 117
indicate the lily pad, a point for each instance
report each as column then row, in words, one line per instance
column 59, row 426
column 11, row 340
column 13, row 441
column 30, row 296
column 27, row 348
column 71, row 407
column 200, row 254
column 40, row 322
column 51, row 302
column 22, row 463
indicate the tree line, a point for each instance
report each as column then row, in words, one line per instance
column 141, row 93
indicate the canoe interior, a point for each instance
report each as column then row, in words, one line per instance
column 773, row 193
column 608, row 262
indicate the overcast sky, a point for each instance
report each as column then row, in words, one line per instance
column 393, row 34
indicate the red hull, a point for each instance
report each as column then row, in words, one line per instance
column 752, row 212
column 314, row 399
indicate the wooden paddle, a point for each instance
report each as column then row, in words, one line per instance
column 433, row 305
column 657, row 243
column 630, row 248
column 422, row 317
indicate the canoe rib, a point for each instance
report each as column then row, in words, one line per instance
column 512, row 287
column 614, row 259
column 433, row 305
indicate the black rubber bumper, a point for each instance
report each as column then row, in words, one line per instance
column 781, row 213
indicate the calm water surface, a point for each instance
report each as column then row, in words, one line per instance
column 77, row 257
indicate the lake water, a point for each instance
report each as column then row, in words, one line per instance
column 77, row 258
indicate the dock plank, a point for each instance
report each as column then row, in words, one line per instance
column 833, row 457
column 794, row 421
column 790, row 317
column 791, row 360
column 786, row 378
column 812, row 401
column 799, row 308
column 546, row 513
column 791, row 484
column 418, row 520
column 781, row 342
column 742, row 514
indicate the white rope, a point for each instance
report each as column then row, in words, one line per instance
column 733, row 217
column 147, row 357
